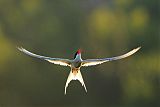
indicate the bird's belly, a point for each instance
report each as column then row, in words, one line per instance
column 75, row 71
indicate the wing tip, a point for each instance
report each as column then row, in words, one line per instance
column 22, row 49
column 19, row 48
column 136, row 49
column 133, row 51
column 139, row 47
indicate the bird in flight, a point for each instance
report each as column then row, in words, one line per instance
column 77, row 63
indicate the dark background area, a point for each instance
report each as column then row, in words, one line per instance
column 58, row 28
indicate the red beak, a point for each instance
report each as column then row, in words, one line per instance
column 79, row 51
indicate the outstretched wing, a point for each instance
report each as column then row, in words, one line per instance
column 92, row 62
column 58, row 61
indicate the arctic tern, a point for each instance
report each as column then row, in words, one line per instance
column 77, row 63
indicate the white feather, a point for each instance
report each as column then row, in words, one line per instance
column 77, row 76
column 92, row 62
column 59, row 61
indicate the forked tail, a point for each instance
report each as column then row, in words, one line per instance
column 75, row 75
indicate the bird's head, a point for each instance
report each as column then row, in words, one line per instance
column 78, row 53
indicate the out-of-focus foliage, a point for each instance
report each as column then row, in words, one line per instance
column 102, row 28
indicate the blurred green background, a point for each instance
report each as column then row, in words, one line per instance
column 102, row 28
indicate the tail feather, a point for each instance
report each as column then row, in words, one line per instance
column 80, row 78
column 73, row 76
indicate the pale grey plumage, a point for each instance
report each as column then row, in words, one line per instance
column 92, row 62
column 58, row 61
